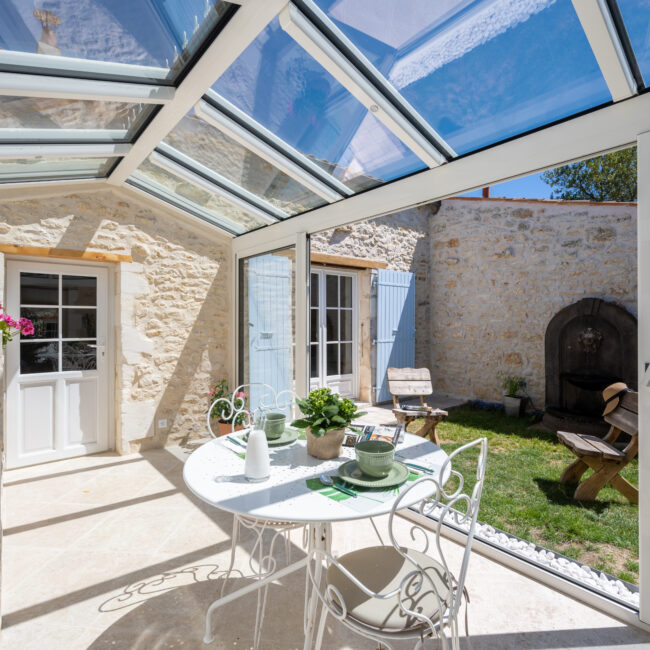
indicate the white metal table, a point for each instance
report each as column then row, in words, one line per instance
column 215, row 474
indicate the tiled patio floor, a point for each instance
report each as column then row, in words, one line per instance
column 112, row 552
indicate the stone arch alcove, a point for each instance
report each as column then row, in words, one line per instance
column 588, row 345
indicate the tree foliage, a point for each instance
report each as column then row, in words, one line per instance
column 611, row 177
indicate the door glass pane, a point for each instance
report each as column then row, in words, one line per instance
column 314, row 349
column 346, row 324
column 215, row 150
column 280, row 86
column 39, row 357
column 267, row 323
column 40, row 118
column 78, row 290
column 39, row 289
column 346, row 358
column 313, row 289
column 332, row 358
column 332, row 319
column 314, row 325
column 479, row 72
column 346, row 291
column 78, row 355
column 79, row 323
column 46, row 322
column 332, row 290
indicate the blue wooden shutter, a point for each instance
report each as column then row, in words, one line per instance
column 395, row 345
column 269, row 324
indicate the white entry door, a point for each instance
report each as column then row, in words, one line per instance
column 333, row 325
column 57, row 394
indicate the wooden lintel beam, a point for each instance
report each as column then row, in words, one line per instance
column 340, row 260
column 64, row 253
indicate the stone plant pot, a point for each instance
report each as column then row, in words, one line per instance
column 514, row 406
column 327, row 446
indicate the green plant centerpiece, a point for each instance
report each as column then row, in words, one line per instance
column 513, row 400
column 326, row 415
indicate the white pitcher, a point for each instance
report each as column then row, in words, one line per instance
column 257, row 464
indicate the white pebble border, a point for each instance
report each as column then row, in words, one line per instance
column 582, row 574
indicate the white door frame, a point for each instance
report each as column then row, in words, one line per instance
column 322, row 326
column 41, row 265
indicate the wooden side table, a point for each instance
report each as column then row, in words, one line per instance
column 431, row 419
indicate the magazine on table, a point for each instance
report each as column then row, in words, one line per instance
column 393, row 433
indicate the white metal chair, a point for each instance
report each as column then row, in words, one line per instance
column 399, row 592
column 232, row 407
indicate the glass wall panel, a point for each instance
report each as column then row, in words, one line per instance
column 280, row 86
column 267, row 286
column 232, row 216
column 158, row 36
column 52, row 119
column 34, row 169
column 478, row 71
column 636, row 16
column 210, row 147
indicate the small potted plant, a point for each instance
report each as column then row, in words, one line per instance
column 327, row 414
column 227, row 408
column 513, row 401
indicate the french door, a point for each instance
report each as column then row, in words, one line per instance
column 57, row 394
column 333, row 331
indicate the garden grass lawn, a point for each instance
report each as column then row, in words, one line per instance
column 523, row 494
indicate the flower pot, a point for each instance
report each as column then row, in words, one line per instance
column 224, row 428
column 326, row 446
column 514, row 406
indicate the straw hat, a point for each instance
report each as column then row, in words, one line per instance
column 612, row 396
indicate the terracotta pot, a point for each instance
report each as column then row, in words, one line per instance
column 223, row 428
column 327, row 446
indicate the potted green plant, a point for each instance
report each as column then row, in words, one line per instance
column 327, row 414
column 222, row 415
column 513, row 401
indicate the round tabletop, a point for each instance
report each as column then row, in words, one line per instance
column 215, row 473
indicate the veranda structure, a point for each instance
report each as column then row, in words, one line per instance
column 395, row 111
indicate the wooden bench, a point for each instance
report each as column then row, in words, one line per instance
column 414, row 382
column 599, row 453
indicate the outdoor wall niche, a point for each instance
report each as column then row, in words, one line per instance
column 589, row 345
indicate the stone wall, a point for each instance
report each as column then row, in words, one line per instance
column 172, row 304
column 491, row 273
column 501, row 269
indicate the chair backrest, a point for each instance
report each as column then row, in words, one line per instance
column 409, row 382
column 459, row 507
column 626, row 415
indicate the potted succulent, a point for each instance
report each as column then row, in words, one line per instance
column 223, row 415
column 327, row 414
column 512, row 400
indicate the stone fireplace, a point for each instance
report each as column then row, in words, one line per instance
column 589, row 345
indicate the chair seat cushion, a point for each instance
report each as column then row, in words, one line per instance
column 382, row 569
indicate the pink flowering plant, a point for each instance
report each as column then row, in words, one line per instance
column 222, row 411
column 10, row 327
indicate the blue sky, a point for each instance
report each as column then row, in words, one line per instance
column 529, row 187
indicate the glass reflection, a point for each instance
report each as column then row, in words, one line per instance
column 20, row 169
column 78, row 290
column 39, row 289
column 636, row 16
column 46, row 322
column 38, row 357
column 79, row 323
column 78, row 355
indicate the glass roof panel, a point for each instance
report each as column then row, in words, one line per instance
column 636, row 16
column 210, row 147
column 479, row 71
column 46, row 168
column 221, row 211
column 43, row 119
column 280, row 86
column 157, row 36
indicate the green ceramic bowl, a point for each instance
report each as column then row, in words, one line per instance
column 375, row 457
column 274, row 425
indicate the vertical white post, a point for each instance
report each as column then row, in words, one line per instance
column 302, row 315
column 643, row 299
